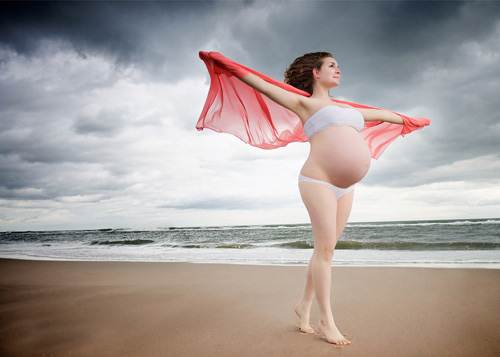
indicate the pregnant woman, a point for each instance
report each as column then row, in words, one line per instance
column 343, row 138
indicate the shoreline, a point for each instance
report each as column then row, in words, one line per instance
column 491, row 266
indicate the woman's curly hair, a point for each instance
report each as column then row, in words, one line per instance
column 299, row 72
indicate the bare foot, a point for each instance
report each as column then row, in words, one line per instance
column 302, row 313
column 331, row 334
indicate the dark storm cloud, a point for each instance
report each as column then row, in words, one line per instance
column 108, row 26
column 401, row 34
column 152, row 33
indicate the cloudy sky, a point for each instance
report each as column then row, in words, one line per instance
column 99, row 102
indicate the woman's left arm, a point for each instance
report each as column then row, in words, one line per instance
column 380, row 114
column 376, row 114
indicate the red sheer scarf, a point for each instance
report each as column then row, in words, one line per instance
column 234, row 107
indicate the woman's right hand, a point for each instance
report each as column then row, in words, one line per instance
column 229, row 65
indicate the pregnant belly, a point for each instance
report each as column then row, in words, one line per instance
column 341, row 154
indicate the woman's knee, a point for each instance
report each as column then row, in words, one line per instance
column 325, row 252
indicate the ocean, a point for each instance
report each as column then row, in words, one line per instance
column 462, row 243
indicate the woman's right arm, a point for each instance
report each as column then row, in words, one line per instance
column 289, row 100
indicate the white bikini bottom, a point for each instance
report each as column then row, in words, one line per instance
column 339, row 191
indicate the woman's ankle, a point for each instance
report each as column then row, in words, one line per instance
column 327, row 321
column 306, row 303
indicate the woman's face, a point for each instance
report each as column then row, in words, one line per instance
column 329, row 73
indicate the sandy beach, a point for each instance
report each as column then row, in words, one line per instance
column 56, row 308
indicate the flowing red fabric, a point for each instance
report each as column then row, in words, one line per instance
column 234, row 107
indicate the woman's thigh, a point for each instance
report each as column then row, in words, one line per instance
column 344, row 206
column 321, row 205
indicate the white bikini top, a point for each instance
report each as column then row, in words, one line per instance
column 333, row 115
